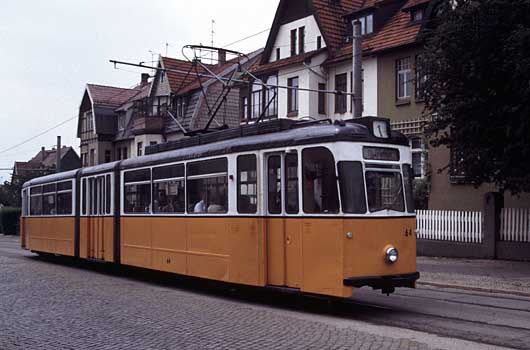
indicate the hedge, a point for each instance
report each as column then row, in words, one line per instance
column 9, row 220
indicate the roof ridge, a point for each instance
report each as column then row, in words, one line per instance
column 113, row 87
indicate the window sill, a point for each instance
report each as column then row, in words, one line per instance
column 292, row 114
column 403, row 102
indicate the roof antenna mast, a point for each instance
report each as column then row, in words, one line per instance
column 213, row 33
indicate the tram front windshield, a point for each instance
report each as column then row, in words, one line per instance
column 385, row 191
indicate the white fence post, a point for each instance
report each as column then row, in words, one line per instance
column 515, row 225
column 451, row 225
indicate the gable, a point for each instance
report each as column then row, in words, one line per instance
column 288, row 11
column 328, row 14
column 86, row 105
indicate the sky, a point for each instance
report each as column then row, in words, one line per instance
column 49, row 51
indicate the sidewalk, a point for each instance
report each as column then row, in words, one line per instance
column 494, row 276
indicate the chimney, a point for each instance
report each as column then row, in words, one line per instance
column 221, row 56
column 145, row 79
column 58, row 153
column 42, row 154
column 357, row 70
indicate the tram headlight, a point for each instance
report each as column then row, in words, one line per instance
column 392, row 255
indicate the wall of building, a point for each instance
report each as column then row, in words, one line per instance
column 388, row 106
column 370, row 91
column 160, row 85
column 283, row 39
column 102, row 148
column 445, row 195
column 146, row 141
column 304, row 76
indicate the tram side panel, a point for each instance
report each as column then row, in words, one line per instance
column 53, row 235
column 364, row 253
column 222, row 248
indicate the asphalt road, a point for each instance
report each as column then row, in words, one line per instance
column 58, row 303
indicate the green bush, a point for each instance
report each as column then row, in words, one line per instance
column 9, row 220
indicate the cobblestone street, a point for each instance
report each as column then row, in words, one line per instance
column 45, row 304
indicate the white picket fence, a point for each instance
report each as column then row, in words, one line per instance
column 515, row 225
column 449, row 225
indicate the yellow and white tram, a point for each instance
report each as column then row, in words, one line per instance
column 321, row 208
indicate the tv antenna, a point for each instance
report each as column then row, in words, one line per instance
column 213, row 34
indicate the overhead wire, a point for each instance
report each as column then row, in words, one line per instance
column 38, row 135
column 246, row 38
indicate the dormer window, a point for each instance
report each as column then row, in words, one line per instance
column 416, row 15
column 367, row 24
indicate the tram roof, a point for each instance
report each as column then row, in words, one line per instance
column 294, row 134
column 270, row 135
column 57, row 177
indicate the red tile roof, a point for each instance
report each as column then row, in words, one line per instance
column 109, row 95
column 273, row 66
column 195, row 82
column 413, row 3
column 398, row 31
column 330, row 17
column 178, row 80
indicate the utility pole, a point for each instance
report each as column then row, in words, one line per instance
column 357, row 70
column 58, row 154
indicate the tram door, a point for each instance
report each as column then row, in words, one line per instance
column 284, row 246
column 98, row 223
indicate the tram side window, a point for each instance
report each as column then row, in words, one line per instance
column 291, row 183
column 352, row 194
column 408, row 177
column 207, row 184
column 320, row 181
column 137, row 193
column 64, row 198
column 49, row 200
column 25, row 203
column 90, row 196
column 101, row 194
column 36, row 201
column 84, row 192
column 385, row 191
column 108, row 194
column 168, row 189
column 247, row 184
column 274, row 166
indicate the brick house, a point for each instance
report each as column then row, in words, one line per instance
column 44, row 163
column 118, row 123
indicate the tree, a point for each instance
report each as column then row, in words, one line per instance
column 477, row 88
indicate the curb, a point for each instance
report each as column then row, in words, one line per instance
column 475, row 289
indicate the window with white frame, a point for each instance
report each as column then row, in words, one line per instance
column 271, row 96
column 367, row 24
column 292, row 95
column 403, row 78
column 256, row 101
column 420, row 80
column 121, row 121
column 416, row 15
column 244, row 108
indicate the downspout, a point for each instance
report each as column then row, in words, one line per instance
column 357, row 70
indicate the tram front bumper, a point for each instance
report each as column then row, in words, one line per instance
column 386, row 283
